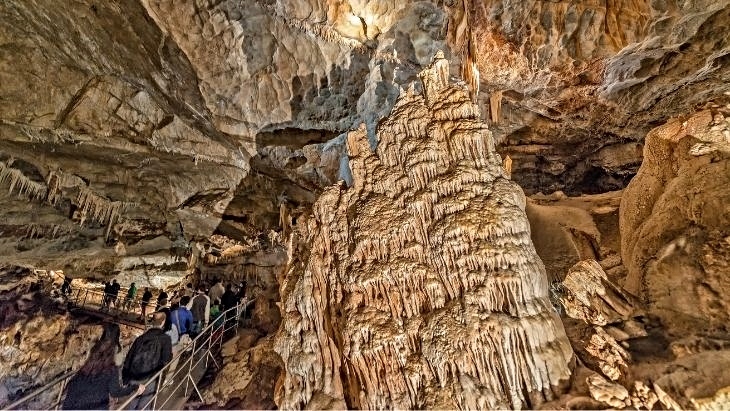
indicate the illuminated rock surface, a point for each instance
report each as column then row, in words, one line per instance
column 422, row 287
column 161, row 141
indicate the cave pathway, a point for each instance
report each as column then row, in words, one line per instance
column 174, row 383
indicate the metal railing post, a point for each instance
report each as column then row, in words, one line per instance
column 190, row 366
column 60, row 393
column 157, row 390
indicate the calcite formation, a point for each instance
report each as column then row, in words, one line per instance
column 590, row 296
column 419, row 285
column 20, row 184
column 675, row 221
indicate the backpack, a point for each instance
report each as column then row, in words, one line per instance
column 144, row 357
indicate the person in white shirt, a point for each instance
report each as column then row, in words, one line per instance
column 216, row 291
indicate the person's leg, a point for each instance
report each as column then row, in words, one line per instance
column 173, row 364
column 144, row 401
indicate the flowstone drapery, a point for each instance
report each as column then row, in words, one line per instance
column 419, row 285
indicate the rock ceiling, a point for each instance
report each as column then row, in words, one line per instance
column 170, row 120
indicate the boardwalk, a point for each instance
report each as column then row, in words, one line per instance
column 175, row 383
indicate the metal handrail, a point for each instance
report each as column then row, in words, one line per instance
column 62, row 379
column 215, row 332
column 210, row 337
column 202, row 344
column 97, row 300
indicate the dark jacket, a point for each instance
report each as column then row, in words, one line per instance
column 157, row 354
column 114, row 289
column 229, row 300
column 168, row 318
column 91, row 392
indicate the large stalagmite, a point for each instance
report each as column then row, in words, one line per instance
column 419, row 286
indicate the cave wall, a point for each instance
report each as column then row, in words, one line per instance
column 675, row 221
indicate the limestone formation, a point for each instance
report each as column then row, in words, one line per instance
column 421, row 287
column 608, row 392
column 590, row 296
column 675, row 223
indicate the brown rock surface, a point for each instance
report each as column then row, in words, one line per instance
column 248, row 376
column 410, row 294
column 675, row 222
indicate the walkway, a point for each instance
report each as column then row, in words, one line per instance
column 175, row 383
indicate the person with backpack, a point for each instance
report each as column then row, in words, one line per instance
column 200, row 308
column 149, row 353
column 146, row 297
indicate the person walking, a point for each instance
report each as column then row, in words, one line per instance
column 149, row 353
column 161, row 297
column 146, row 297
column 182, row 322
column 229, row 300
column 167, row 327
column 242, row 290
column 131, row 294
column 98, row 379
column 106, row 296
column 182, row 318
column 200, row 308
column 66, row 286
column 216, row 291
column 189, row 290
column 114, row 294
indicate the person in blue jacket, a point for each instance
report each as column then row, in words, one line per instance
column 182, row 317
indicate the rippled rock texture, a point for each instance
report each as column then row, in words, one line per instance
column 675, row 221
column 422, row 287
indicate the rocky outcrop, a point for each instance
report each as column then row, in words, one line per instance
column 158, row 118
column 410, row 294
column 589, row 295
column 675, row 222
column 581, row 84
column 249, row 374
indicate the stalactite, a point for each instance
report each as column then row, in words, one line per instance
column 422, row 275
column 507, row 165
column 22, row 185
column 47, row 231
column 58, row 180
column 100, row 209
column 495, row 106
